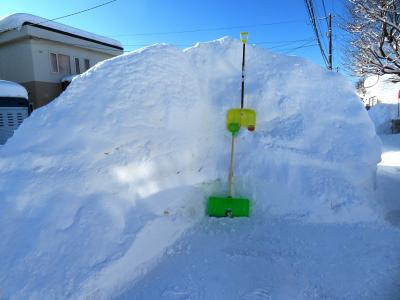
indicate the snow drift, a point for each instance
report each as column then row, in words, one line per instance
column 385, row 88
column 382, row 116
column 99, row 182
column 386, row 91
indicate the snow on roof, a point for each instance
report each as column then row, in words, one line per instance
column 12, row 89
column 16, row 21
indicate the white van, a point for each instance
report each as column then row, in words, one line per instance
column 14, row 108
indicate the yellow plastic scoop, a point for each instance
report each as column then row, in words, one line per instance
column 240, row 117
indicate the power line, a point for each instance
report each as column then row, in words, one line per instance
column 209, row 29
column 321, row 32
column 279, row 43
column 311, row 13
column 283, row 49
column 62, row 17
column 285, row 45
column 320, row 23
column 326, row 15
column 284, row 42
column 279, row 47
column 78, row 12
column 300, row 47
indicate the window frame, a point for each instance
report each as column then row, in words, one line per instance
column 58, row 62
column 77, row 70
column 88, row 63
column 51, row 63
column 69, row 64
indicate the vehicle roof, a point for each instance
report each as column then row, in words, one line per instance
column 12, row 89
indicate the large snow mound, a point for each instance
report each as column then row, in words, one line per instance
column 98, row 183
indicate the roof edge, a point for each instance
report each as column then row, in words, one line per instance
column 72, row 35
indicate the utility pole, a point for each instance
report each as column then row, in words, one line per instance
column 330, row 67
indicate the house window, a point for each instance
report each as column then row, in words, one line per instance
column 54, row 64
column 77, row 66
column 60, row 63
column 64, row 66
column 87, row 64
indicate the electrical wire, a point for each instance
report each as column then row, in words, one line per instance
column 209, row 29
column 323, row 31
column 290, row 45
column 310, row 10
column 282, row 47
column 62, row 17
column 78, row 12
column 283, row 43
column 307, row 45
column 326, row 15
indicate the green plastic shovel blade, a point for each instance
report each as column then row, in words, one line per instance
column 228, row 207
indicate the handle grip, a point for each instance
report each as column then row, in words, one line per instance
column 244, row 36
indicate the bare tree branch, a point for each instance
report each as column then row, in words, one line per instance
column 375, row 36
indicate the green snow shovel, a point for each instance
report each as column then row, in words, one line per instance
column 219, row 206
column 230, row 206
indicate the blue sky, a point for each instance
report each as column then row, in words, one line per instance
column 133, row 21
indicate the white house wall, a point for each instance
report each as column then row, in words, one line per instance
column 41, row 50
column 25, row 58
column 16, row 61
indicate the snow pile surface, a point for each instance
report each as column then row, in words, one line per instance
column 382, row 116
column 12, row 89
column 383, row 88
column 68, row 78
column 100, row 182
column 17, row 21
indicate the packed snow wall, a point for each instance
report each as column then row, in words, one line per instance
column 382, row 116
column 96, row 184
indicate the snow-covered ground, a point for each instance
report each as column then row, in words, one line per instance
column 263, row 258
column 389, row 179
column 278, row 259
column 104, row 189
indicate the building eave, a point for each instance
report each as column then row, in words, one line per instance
column 72, row 35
